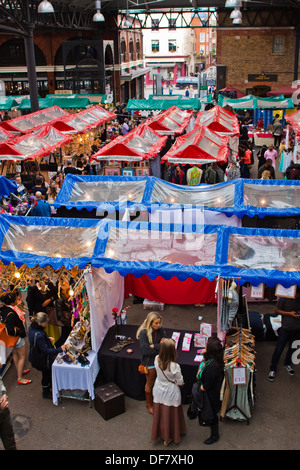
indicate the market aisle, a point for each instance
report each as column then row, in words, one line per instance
column 73, row 425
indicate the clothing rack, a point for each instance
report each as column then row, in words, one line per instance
column 239, row 352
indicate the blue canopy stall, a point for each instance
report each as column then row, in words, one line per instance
column 240, row 197
column 111, row 250
column 254, row 255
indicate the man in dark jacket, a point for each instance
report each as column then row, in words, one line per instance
column 267, row 166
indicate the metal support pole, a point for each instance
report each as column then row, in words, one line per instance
column 296, row 61
column 31, row 68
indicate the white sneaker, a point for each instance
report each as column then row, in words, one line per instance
column 271, row 376
column 290, row 370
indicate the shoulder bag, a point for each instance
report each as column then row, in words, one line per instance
column 37, row 358
column 7, row 339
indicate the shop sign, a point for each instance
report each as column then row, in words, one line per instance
column 262, row 77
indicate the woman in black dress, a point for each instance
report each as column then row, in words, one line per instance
column 210, row 376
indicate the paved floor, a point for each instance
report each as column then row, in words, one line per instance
column 74, row 425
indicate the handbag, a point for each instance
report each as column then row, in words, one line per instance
column 8, row 340
column 37, row 358
column 143, row 369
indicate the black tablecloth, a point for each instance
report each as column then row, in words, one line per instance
column 122, row 368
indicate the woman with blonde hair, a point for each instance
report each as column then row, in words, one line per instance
column 168, row 418
column 38, row 337
column 150, row 335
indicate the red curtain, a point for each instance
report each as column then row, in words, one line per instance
column 171, row 291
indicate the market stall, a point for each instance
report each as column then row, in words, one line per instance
column 64, row 103
column 107, row 251
column 219, row 120
column 171, row 122
column 138, row 145
column 163, row 102
column 238, row 197
column 199, row 146
column 34, row 121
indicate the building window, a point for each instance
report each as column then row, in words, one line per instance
column 155, row 45
column 278, row 44
column 155, row 24
column 172, row 23
column 172, row 45
column 202, row 37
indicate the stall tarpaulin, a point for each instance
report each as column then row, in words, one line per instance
column 7, row 186
column 171, row 291
column 7, row 103
column 255, row 102
column 9, row 152
column 52, row 137
column 253, row 255
column 34, row 121
column 5, row 135
column 229, row 88
column 83, row 120
column 64, row 103
column 240, row 197
column 138, row 145
column 38, row 145
column 163, row 102
column 289, row 91
column 219, row 120
column 173, row 121
column 199, row 146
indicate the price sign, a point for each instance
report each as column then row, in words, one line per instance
column 257, row 292
column 239, row 376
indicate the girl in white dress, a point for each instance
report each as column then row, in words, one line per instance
column 168, row 418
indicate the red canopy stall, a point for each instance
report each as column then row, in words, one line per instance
column 199, row 146
column 173, row 121
column 32, row 122
column 219, row 120
column 138, row 145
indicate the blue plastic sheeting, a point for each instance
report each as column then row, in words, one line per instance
column 238, row 197
column 251, row 255
column 7, row 186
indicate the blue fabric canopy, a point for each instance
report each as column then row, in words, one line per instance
column 238, row 197
column 250, row 255
column 7, row 186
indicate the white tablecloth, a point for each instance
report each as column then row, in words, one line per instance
column 262, row 138
column 75, row 377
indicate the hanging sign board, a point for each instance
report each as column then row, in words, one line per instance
column 289, row 292
column 257, row 292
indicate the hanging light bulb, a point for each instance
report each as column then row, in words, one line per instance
column 236, row 14
column 128, row 20
column 98, row 17
column 237, row 21
column 45, row 7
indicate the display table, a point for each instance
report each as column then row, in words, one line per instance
column 74, row 377
column 122, row 368
column 261, row 138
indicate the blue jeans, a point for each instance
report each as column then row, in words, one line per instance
column 284, row 337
